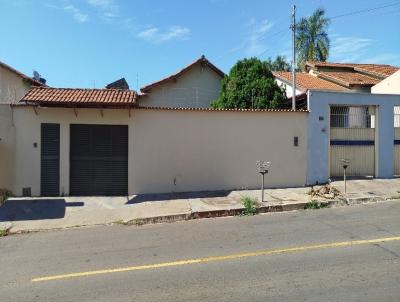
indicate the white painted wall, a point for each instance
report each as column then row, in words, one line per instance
column 198, row 87
column 289, row 90
column 390, row 85
column 192, row 151
column 7, row 147
column 177, row 151
column 12, row 87
column 318, row 130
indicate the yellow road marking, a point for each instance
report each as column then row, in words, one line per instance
column 217, row 258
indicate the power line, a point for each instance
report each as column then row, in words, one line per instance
column 365, row 10
column 352, row 13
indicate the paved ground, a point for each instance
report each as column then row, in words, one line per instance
column 144, row 263
column 52, row 213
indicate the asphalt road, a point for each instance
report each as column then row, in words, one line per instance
column 316, row 255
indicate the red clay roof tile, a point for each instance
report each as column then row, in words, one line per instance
column 378, row 70
column 307, row 81
column 78, row 96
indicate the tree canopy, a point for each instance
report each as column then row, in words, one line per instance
column 312, row 41
column 279, row 64
column 250, row 84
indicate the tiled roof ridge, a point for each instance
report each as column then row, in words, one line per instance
column 87, row 89
column 182, row 71
column 219, row 109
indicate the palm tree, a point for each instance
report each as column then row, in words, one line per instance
column 312, row 41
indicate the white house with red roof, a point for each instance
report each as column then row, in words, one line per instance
column 345, row 77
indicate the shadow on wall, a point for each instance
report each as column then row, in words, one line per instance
column 171, row 196
column 35, row 209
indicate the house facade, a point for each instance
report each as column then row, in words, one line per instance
column 195, row 86
column 13, row 86
column 75, row 143
column 117, row 142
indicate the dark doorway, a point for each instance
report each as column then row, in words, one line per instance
column 50, row 160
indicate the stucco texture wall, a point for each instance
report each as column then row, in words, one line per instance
column 12, row 87
column 197, row 87
column 319, row 103
column 390, row 85
column 175, row 151
column 7, row 147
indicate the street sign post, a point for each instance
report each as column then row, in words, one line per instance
column 345, row 165
column 263, row 168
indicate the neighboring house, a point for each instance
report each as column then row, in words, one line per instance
column 13, row 86
column 356, row 77
column 304, row 83
column 339, row 77
column 390, row 85
column 335, row 77
column 195, row 86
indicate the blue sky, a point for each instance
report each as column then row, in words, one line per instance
column 89, row 43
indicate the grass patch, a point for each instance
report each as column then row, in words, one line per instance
column 315, row 205
column 249, row 205
column 3, row 233
column 137, row 222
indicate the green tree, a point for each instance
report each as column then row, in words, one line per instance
column 312, row 41
column 279, row 64
column 250, row 84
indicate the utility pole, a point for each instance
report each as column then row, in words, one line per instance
column 293, row 27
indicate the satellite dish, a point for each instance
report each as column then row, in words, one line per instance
column 36, row 75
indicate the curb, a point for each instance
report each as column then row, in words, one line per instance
column 215, row 214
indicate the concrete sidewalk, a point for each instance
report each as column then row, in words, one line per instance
column 34, row 214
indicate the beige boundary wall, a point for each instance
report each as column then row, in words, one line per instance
column 177, row 150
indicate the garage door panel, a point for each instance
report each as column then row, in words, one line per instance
column 50, row 160
column 99, row 161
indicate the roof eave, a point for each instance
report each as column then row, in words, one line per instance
column 201, row 60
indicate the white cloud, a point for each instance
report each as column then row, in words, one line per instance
column 255, row 42
column 349, row 49
column 109, row 10
column 155, row 35
column 76, row 13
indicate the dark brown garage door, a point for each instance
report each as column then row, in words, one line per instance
column 98, row 160
column 50, row 160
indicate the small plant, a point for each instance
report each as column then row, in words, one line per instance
column 314, row 205
column 3, row 232
column 249, row 205
column 4, row 195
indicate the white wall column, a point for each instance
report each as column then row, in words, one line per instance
column 384, row 141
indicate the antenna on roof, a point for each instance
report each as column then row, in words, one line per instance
column 36, row 75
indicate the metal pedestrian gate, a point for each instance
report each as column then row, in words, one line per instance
column 352, row 137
